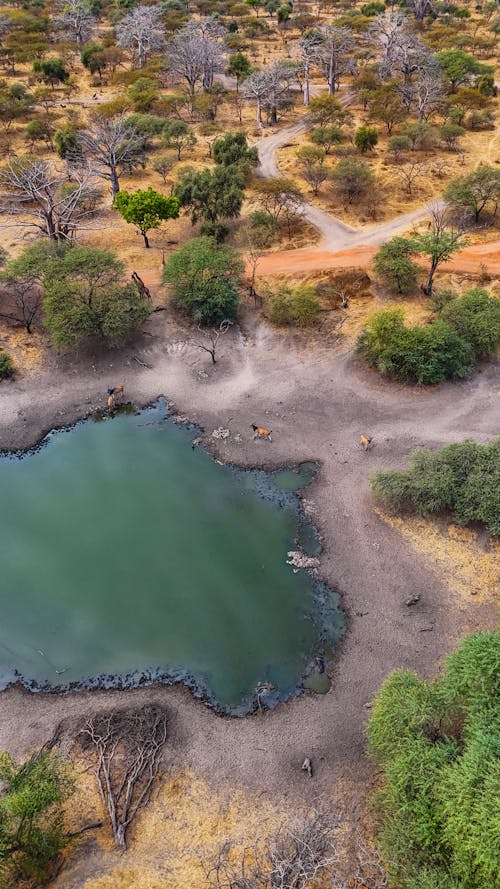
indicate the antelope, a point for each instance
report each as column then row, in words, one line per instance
column 365, row 441
column 116, row 390
column 260, row 432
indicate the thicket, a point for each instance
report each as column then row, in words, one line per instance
column 438, row 746
column 6, row 366
column 31, row 817
column 298, row 305
column 461, row 480
column 468, row 328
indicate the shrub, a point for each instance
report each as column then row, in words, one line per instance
column 476, row 318
column 394, row 266
column 299, row 306
column 204, row 276
column 413, row 354
column 462, row 479
column 437, row 744
column 366, row 139
column 6, row 366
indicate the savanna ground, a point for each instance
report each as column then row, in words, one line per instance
column 240, row 778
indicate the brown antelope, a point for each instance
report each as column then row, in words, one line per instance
column 260, row 432
column 365, row 441
column 116, row 390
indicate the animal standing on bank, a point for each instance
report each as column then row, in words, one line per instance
column 260, row 432
column 365, row 441
column 113, row 393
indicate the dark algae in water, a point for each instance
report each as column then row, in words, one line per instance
column 127, row 557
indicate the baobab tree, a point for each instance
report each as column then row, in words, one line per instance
column 335, row 54
column 308, row 50
column 140, row 32
column 77, row 17
column 269, row 88
column 42, row 197
column 196, row 56
column 112, row 147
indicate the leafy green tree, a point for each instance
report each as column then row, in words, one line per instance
column 460, row 67
column 327, row 110
column 162, row 165
column 475, row 192
column 39, row 131
column 145, row 209
column 31, row 816
column 6, row 371
column 232, row 149
column 476, row 318
column 437, row 745
column 398, row 145
column 425, row 355
column 67, row 144
column 439, row 242
column 450, row 134
column 352, row 179
column 386, row 106
column 204, row 278
column 366, row 139
column 52, row 71
column 394, row 265
column 211, row 195
column 239, row 67
column 84, row 295
column 142, row 93
column 178, row 135
column 325, row 137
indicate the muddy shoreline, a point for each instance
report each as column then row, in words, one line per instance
column 317, row 401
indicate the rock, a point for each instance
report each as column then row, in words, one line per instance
column 412, row 600
column 220, row 432
column 299, row 560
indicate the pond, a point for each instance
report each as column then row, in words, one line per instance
column 128, row 557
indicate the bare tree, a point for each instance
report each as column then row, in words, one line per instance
column 308, row 50
column 196, row 56
column 270, row 87
column 421, row 8
column 112, row 148
column 410, row 173
column 21, row 299
column 335, row 54
column 43, row 198
column 77, row 17
column 140, row 32
column 213, row 337
column 128, row 745
column 291, row 859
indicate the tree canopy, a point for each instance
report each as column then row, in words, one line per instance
column 203, row 277
column 146, row 209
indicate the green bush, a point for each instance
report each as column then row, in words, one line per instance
column 461, row 479
column 6, row 366
column 299, row 306
column 437, row 744
column 475, row 316
column 413, row 354
column 204, row 276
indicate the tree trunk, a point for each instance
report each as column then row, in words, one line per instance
column 306, row 83
column 146, row 242
column 259, row 115
column 115, row 185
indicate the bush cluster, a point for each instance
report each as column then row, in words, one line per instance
column 437, row 744
column 461, row 479
column 6, row 366
column 298, row 305
column 467, row 329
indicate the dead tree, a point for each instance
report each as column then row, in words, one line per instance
column 213, row 336
column 128, row 745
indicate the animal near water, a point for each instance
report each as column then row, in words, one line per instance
column 365, row 441
column 260, row 432
column 112, row 395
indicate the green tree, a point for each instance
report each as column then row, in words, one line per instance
column 6, row 367
column 211, row 195
column 450, row 134
column 178, row 135
column 327, row 110
column 476, row 318
column 31, row 815
column 475, row 192
column 352, row 178
column 142, row 93
column 52, row 71
column 39, row 131
column 366, row 139
column 394, row 265
column 437, row 746
column 239, row 67
column 425, row 355
column 311, row 160
column 145, row 209
column 386, row 106
column 162, row 165
column 84, row 295
column 232, row 149
column 460, row 67
column 439, row 242
column 67, row 144
column 204, row 278
column 325, row 137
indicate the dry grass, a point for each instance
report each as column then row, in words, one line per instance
column 458, row 555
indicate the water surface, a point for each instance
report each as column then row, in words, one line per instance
column 126, row 556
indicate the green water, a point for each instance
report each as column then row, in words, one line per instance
column 126, row 557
